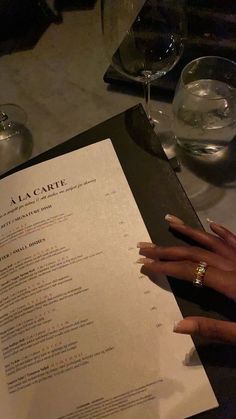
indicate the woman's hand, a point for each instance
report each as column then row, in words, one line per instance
column 218, row 251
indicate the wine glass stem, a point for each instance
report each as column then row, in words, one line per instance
column 147, row 88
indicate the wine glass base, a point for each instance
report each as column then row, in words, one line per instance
column 162, row 125
column 197, row 149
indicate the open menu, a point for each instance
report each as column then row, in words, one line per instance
column 83, row 333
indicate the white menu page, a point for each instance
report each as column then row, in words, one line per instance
column 83, row 333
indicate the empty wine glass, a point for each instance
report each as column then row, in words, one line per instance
column 143, row 39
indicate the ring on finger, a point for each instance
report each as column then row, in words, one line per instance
column 199, row 274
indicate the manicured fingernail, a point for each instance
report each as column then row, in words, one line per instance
column 145, row 245
column 213, row 222
column 210, row 221
column 176, row 325
column 185, row 326
column 145, row 261
column 173, row 219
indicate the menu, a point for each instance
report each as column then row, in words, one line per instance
column 83, row 333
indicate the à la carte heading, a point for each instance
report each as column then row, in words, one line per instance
column 38, row 191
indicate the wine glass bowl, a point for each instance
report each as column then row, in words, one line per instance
column 144, row 39
column 143, row 43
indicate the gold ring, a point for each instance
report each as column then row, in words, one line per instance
column 200, row 273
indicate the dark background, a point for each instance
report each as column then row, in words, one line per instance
column 24, row 21
column 211, row 31
column 211, row 25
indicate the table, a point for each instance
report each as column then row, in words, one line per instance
column 60, row 85
column 157, row 191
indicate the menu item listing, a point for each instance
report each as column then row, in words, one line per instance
column 83, row 333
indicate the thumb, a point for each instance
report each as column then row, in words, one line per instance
column 217, row 330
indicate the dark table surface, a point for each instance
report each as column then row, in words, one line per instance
column 157, row 192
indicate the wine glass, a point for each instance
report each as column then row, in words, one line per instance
column 143, row 38
column 16, row 141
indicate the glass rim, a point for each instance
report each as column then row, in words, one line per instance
column 218, row 57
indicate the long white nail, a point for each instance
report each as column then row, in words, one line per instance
column 185, row 326
column 145, row 245
column 210, row 221
column 173, row 219
column 145, row 261
column 176, row 325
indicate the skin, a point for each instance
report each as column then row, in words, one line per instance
column 218, row 250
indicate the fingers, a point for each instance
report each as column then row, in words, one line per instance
column 222, row 232
column 205, row 239
column 192, row 253
column 217, row 330
column 173, row 219
column 200, row 236
column 217, row 279
column 179, row 269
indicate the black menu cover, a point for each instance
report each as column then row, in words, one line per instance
column 157, row 192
